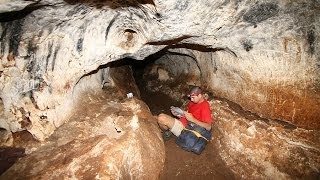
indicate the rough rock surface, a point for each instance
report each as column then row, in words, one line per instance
column 254, row 147
column 220, row 71
column 263, row 55
column 107, row 138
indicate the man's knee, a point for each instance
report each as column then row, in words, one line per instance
column 162, row 118
column 166, row 120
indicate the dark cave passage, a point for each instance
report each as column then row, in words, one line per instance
column 158, row 102
column 179, row 164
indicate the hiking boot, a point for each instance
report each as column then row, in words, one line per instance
column 166, row 135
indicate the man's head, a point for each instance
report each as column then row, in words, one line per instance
column 196, row 95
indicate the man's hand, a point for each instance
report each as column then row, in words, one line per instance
column 191, row 118
column 177, row 111
column 174, row 112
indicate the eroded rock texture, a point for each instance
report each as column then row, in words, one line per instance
column 53, row 54
column 256, row 148
column 251, row 146
column 263, row 55
column 107, row 139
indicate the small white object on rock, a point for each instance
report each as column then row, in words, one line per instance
column 130, row 95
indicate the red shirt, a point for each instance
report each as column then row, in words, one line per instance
column 200, row 111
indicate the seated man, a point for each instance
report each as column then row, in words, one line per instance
column 193, row 129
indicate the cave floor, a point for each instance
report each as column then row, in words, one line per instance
column 180, row 164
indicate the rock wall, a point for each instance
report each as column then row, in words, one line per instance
column 52, row 54
column 264, row 54
column 274, row 70
column 181, row 65
column 251, row 146
column 256, row 148
column 277, row 86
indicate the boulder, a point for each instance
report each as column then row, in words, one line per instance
column 105, row 139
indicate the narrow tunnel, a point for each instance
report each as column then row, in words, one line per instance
column 163, row 80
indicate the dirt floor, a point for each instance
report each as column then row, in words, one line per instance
column 180, row 164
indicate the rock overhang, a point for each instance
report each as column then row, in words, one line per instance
column 48, row 51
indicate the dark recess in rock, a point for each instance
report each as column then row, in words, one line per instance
column 29, row 66
column 37, row 75
column 43, row 117
column 15, row 36
column 130, row 31
column 54, row 57
column 170, row 41
column 261, row 12
column 32, row 48
column 25, row 118
column 247, row 45
column 33, row 100
column 112, row 4
column 49, row 55
column 79, row 44
column 311, row 39
column 9, row 155
column 158, row 15
column 200, row 48
column 110, row 25
column 4, row 33
column 15, row 15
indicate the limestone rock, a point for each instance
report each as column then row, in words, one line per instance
column 262, row 55
column 256, row 148
column 15, row 5
column 107, row 139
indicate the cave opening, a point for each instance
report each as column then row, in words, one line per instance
column 162, row 70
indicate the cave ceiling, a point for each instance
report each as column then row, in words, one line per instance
column 263, row 54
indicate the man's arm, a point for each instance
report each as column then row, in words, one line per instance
column 190, row 117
